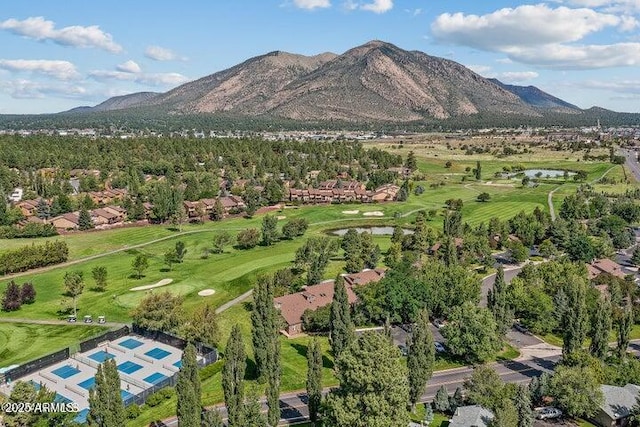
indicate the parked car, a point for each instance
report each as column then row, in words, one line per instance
column 548, row 413
column 71, row 319
column 520, row 328
column 439, row 347
column 438, row 323
column 403, row 350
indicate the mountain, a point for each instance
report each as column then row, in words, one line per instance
column 375, row 82
column 538, row 98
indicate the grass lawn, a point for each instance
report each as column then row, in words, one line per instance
column 22, row 342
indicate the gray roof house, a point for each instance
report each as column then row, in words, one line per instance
column 471, row 416
column 617, row 405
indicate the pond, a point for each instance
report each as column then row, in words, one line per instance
column 542, row 173
column 375, row 231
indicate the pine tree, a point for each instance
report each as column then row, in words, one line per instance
column 269, row 230
column 478, row 171
column 314, row 378
column 4, row 220
column 635, row 258
column 252, row 411
column 233, row 376
column 428, row 413
column 625, row 323
column 441, row 400
column 105, row 402
column 261, row 318
column 217, row 213
column 341, row 329
column 499, row 303
column 212, row 418
column 84, row 220
column 456, row 400
column 450, row 253
column 411, row 163
column 42, row 210
column 575, row 321
column 523, row 406
column 273, row 381
column 188, row 390
column 600, row 327
column 421, row 357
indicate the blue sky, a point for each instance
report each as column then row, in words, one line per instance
column 59, row 55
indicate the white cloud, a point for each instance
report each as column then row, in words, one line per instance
column 483, row 70
column 27, row 89
column 619, row 6
column 129, row 67
column 40, row 29
column 312, row 4
column 378, row 6
column 622, row 86
column 527, row 25
column 158, row 53
column 517, row 76
column 148, row 79
column 567, row 57
column 63, row 70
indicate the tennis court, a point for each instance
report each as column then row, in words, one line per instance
column 157, row 353
column 130, row 343
column 129, row 367
column 101, row 356
column 155, row 378
column 178, row 364
column 65, row 371
column 87, row 384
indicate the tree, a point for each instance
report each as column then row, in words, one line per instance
column 252, row 200
column 99, row 274
column 635, row 258
column 421, row 357
column 574, row 321
column 42, row 209
column 179, row 217
column 441, row 400
column 220, row 240
column 600, row 327
column 170, row 258
column 484, row 387
column 448, row 164
column 264, row 330
column 60, row 205
column 314, row 379
column 140, row 264
column 11, row 300
column 341, row 331
column 217, row 213
column 25, row 393
column 202, row 326
column 576, row 390
column 624, row 326
column 547, row 249
column 478, row 171
column 505, row 415
column 180, row 251
column 472, row 333
column 526, row 181
column 411, row 163
column 74, row 285
column 252, row 410
column 580, row 248
column 233, row 376
column 373, row 386
column 483, row 197
column 27, row 293
column 519, row 253
column 159, row 311
column 269, row 230
column 84, row 220
column 248, row 238
column 498, row 302
column 294, row 228
column 539, row 388
column 428, row 414
column 105, row 402
column 212, row 418
column 188, row 390
column 523, row 406
column 456, row 400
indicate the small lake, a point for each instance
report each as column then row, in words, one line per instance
column 375, row 231
column 543, row 173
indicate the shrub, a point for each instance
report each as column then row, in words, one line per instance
column 133, row 411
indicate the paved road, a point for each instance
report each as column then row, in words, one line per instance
column 552, row 211
column 59, row 322
column 632, row 163
column 487, row 282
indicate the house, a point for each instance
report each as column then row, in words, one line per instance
column 617, row 404
column 28, row 207
column 68, row 221
column 16, row 195
column 436, row 246
column 119, row 211
column 293, row 306
column 386, row 193
column 232, row 203
column 104, row 217
column 605, row 265
column 471, row 416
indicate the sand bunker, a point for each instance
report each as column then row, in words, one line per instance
column 163, row 282
column 279, row 217
column 350, row 212
column 206, row 292
column 374, row 213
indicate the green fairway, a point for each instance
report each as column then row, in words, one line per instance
column 22, row 342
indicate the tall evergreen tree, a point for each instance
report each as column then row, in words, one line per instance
column 341, row 329
column 314, row 379
column 105, row 402
column 252, row 410
column 262, row 318
column 523, row 406
column 232, row 378
column 273, row 381
column 269, row 230
column 217, row 213
column 600, row 327
column 421, row 357
column 42, row 210
column 498, row 301
column 441, row 400
column 478, row 171
column 450, row 256
column 575, row 321
column 212, row 418
column 84, row 220
column 188, row 390
column 625, row 323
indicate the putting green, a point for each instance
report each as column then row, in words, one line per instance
column 133, row 298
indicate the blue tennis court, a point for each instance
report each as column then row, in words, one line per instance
column 65, row 371
column 128, row 367
column 130, row 343
column 157, row 353
column 101, row 356
column 81, row 418
column 61, row 399
column 87, row 384
column 178, row 364
column 155, row 378
column 125, row 395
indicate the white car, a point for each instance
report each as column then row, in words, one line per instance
column 439, row 347
column 548, row 413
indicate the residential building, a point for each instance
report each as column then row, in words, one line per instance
column 617, row 404
column 471, row 416
column 16, row 195
column 605, row 265
column 68, row 221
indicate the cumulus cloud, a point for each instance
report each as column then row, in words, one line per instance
column 312, row 4
column 129, row 67
column 378, row 6
column 517, row 76
column 567, row 57
column 622, row 86
column 483, row 70
column 28, row 89
column 619, row 6
column 39, row 28
column 158, row 53
column 63, row 70
column 148, row 79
